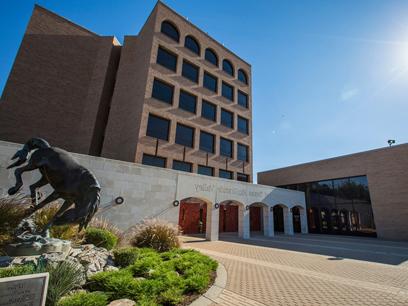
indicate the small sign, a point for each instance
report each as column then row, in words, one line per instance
column 24, row 290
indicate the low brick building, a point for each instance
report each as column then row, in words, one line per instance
column 170, row 96
column 359, row 194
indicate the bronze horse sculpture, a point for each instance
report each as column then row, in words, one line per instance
column 72, row 182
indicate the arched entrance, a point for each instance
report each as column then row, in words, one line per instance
column 193, row 216
column 297, row 226
column 259, row 222
column 278, row 219
column 229, row 217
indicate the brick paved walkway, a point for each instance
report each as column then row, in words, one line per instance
column 310, row 270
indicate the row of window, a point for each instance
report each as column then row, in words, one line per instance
column 188, row 102
column 158, row 161
column 190, row 71
column 158, row 127
column 192, row 44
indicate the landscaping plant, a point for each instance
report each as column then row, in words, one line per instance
column 125, row 256
column 101, row 238
column 157, row 234
column 83, row 298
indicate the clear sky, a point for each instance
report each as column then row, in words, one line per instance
column 329, row 77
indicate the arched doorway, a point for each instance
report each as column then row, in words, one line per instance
column 297, row 226
column 278, row 218
column 193, row 216
column 229, row 217
column 259, row 222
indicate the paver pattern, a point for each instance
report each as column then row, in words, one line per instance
column 310, row 270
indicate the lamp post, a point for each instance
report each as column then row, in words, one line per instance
column 391, row 142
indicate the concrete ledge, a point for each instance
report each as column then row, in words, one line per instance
column 215, row 290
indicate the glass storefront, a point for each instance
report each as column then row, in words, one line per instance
column 338, row 206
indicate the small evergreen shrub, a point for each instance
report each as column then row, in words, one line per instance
column 84, row 298
column 101, row 238
column 126, row 256
column 18, row 270
column 157, row 234
column 102, row 223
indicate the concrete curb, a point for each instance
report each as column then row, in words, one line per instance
column 215, row 290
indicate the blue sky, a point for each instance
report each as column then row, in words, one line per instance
column 329, row 77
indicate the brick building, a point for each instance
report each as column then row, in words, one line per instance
column 170, row 96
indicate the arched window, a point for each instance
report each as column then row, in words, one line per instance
column 170, row 30
column 192, row 44
column 227, row 67
column 242, row 76
column 211, row 57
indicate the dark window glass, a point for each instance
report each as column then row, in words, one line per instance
column 227, row 67
column 192, row 44
column 225, row 147
column 205, row 170
column 211, row 57
column 190, row 71
column 166, row 59
column 243, row 125
column 158, row 127
column 154, row 161
column 242, row 99
column 185, row 135
column 162, row 91
column 207, row 142
column 188, row 102
column 170, row 30
column 225, row 174
column 242, row 152
column 208, row 111
column 227, row 91
column 181, row 166
column 227, row 118
column 242, row 76
column 210, row 82
column 242, row 177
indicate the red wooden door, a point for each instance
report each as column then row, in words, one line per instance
column 228, row 218
column 255, row 218
column 192, row 218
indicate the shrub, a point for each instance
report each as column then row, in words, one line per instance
column 64, row 276
column 66, row 232
column 84, row 298
column 12, row 211
column 100, row 238
column 102, row 223
column 157, row 234
column 126, row 256
column 18, row 270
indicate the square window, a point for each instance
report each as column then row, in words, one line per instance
column 226, row 147
column 162, row 91
column 243, row 125
column 182, row 166
column 227, row 118
column 242, row 99
column 166, row 59
column 158, row 127
column 225, row 174
column 242, row 177
column 185, row 135
column 227, row 91
column 208, row 111
column 210, row 82
column 204, row 170
column 154, row 161
column 188, row 102
column 190, row 71
column 242, row 152
column 207, row 142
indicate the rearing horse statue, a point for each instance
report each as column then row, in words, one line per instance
column 70, row 181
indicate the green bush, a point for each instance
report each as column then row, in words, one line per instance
column 126, row 256
column 157, row 234
column 100, row 238
column 84, row 298
column 18, row 270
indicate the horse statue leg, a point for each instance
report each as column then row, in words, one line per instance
column 19, row 181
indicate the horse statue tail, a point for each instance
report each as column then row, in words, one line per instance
column 30, row 145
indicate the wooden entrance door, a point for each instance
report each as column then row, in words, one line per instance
column 192, row 217
column 228, row 218
column 255, row 218
column 278, row 219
